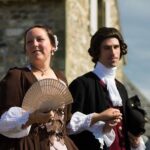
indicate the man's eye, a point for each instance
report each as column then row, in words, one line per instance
column 116, row 46
column 106, row 47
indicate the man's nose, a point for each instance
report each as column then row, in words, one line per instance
column 112, row 50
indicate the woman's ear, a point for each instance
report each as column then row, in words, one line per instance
column 52, row 51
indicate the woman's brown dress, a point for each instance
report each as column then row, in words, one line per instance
column 12, row 90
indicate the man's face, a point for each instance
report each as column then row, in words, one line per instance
column 110, row 52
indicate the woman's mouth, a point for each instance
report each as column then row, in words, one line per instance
column 35, row 51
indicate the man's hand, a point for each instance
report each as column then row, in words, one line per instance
column 110, row 124
column 109, row 114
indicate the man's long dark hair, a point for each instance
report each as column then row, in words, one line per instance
column 102, row 34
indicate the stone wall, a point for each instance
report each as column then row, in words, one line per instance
column 18, row 15
column 114, row 21
column 77, row 38
column 70, row 21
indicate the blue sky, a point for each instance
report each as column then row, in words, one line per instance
column 135, row 25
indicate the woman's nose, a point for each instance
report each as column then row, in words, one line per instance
column 35, row 42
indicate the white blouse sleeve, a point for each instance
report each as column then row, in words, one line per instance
column 11, row 123
column 80, row 122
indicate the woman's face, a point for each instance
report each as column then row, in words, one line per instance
column 38, row 45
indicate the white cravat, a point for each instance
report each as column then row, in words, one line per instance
column 107, row 75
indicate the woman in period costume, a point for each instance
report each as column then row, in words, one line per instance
column 20, row 129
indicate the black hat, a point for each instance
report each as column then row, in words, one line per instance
column 136, row 124
column 136, row 118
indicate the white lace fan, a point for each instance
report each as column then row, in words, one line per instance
column 45, row 95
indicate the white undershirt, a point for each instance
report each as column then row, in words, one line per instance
column 107, row 75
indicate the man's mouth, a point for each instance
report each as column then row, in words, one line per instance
column 114, row 58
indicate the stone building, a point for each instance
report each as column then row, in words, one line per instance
column 18, row 15
column 73, row 21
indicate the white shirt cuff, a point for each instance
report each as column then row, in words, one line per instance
column 79, row 122
column 109, row 137
column 97, row 130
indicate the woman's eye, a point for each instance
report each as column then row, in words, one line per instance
column 30, row 41
column 41, row 39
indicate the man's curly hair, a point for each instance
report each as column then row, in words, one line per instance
column 102, row 34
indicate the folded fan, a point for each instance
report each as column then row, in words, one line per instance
column 45, row 95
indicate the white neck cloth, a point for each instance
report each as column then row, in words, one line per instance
column 107, row 75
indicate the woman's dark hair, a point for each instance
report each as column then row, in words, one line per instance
column 44, row 27
column 102, row 34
